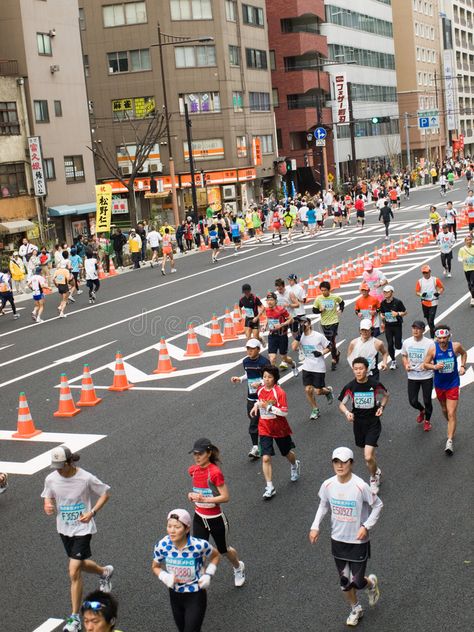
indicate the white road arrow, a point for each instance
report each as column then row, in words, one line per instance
column 76, row 356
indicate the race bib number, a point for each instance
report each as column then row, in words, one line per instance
column 470, row 260
column 429, row 296
column 364, row 400
column 328, row 303
column 390, row 318
column 254, row 383
column 60, row 278
column 308, row 351
column 70, row 514
column 344, row 510
column 273, row 322
column 448, row 365
column 415, row 355
column 248, row 311
column 183, row 569
column 207, row 493
column 365, row 313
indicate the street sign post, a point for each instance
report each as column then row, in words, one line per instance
column 320, row 142
column 428, row 120
column 320, row 133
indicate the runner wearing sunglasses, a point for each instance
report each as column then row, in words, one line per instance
column 99, row 612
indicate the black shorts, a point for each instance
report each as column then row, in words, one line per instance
column 78, row 547
column 361, row 214
column 63, row 288
column 311, row 378
column 236, row 240
column 155, row 248
column 367, row 432
column 330, row 331
column 215, row 245
column 253, row 425
column 352, row 570
column 218, row 527
column 278, row 344
column 250, row 324
column 304, row 222
column 285, row 445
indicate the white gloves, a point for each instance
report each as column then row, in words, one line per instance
column 204, row 581
column 167, row 579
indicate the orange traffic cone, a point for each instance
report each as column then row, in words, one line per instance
column 202, row 243
column 164, row 362
column 192, row 348
column 26, row 426
column 120, row 382
column 399, row 248
column 239, row 320
column 344, row 275
column 417, row 241
column 112, row 270
column 67, row 407
column 229, row 331
column 359, row 266
column 216, row 339
column 410, row 244
column 385, row 257
column 393, row 252
column 335, row 281
column 227, row 241
column 312, row 292
column 350, row 270
column 88, row 396
column 377, row 260
column 100, row 269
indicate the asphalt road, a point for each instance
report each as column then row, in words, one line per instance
column 422, row 546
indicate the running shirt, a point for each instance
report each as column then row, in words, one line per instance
column 37, row 283
column 365, row 306
column 446, row 242
column 363, row 397
column 61, row 275
column 283, row 298
column 434, row 218
column 300, row 295
column 386, row 308
column 276, row 316
column 76, row 262
column 314, row 342
column 466, row 256
column 206, row 480
column 5, row 283
column 235, row 229
column 330, row 315
column 72, row 497
column 250, row 305
column 429, row 287
column 154, row 238
column 214, row 236
column 90, row 266
column 448, row 376
column 311, row 216
column 450, row 214
column 415, row 351
column 186, row 564
column 374, row 279
column 350, row 504
column 253, row 370
column 469, row 202
column 271, row 424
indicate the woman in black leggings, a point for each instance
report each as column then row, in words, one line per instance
column 178, row 561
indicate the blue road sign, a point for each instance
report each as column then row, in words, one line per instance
column 320, row 133
column 423, row 122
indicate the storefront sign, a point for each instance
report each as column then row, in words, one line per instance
column 256, row 150
column 341, row 110
column 247, row 174
column 36, row 160
column 119, row 206
column 210, row 149
column 103, row 194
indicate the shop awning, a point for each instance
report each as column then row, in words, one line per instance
column 82, row 209
column 16, row 227
column 67, row 209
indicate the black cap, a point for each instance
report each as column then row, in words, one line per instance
column 201, row 445
column 293, row 277
column 419, row 324
column 246, row 287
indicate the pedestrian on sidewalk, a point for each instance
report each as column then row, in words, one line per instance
column 18, row 272
column 6, row 293
column 118, row 242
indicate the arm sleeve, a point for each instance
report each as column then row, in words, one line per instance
column 322, row 509
column 376, row 505
column 282, row 406
column 97, row 486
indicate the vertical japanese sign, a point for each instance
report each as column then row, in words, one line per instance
column 341, row 110
column 450, row 87
column 256, row 151
column 103, row 193
column 36, row 160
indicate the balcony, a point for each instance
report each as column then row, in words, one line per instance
column 8, row 68
column 303, row 24
column 301, row 43
column 305, row 7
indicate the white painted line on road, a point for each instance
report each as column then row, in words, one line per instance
column 6, row 346
column 49, row 625
column 76, row 356
column 367, row 243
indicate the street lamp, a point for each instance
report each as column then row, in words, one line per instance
column 170, row 40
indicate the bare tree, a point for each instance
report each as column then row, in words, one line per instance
column 392, row 151
column 144, row 134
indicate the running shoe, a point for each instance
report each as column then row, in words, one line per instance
column 355, row 616
column 163, row 272
column 239, row 575
column 315, row 414
column 444, row 272
column 269, row 493
column 374, row 592
column 421, row 417
column 93, row 295
column 254, row 452
column 62, row 315
column 449, row 275
column 79, row 291
column 427, row 425
column 73, row 300
column 374, row 486
column 295, row 370
column 393, row 365
column 449, row 449
column 73, row 624
column 16, row 316
column 4, row 483
column 283, row 365
column 333, row 365
column 295, row 471
column 378, row 476
column 105, row 580
column 330, row 395
column 173, row 269
column 472, row 302
column 39, row 320
column 33, row 315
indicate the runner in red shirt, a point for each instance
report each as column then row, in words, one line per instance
column 273, row 426
column 360, row 210
column 278, row 319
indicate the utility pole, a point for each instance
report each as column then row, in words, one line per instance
column 191, row 157
column 407, row 139
column 352, row 131
column 437, row 108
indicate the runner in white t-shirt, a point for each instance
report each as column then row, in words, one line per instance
column 37, row 283
column 67, row 493
column 154, row 238
column 92, row 276
column 446, row 242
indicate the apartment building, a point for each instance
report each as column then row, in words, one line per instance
column 43, row 38
column 216, row 59
column 361, row 48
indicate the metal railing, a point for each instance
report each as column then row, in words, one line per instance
column 8, row 67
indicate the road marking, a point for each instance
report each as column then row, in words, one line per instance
column 75, row 442
column 49, row 625
column 76, row 356
column 367, row 243
column 6, row 346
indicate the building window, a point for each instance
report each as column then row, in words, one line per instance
column 82, row 20
column 200, row 102
column 279, row 139
column 124, row 14
column 58, row 108
column 195, row 56
column 191, row 9
column 361, row 56
column 298, row 140
column 9, row 124
column 49, row 169
column 74, row 169
column 234, row 55
column 241, row 147
column 44, row 44
column 272, row 60
column 259, row 101
column 238, row 101
column 129, row 61
column 133, row 108
column 12, row 179
column 87, row 68
column 41, row 111
column 367, row 92
column 230, row 11
column 252, row 15
column 275, row 98
column 358, row 21
column 256, row 58
column 266, row 143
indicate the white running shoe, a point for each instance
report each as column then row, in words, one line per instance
column 374, row 592
column 444, row 272
column 449, row 449
column 239, row 575
column 449, row 275
column 295, row 370
column 16, row 316
column 105, row 580
column 330, row 395
column 73, row 624
column 79, row 291
column 472, row 302
column 393, row 365
column 268, row 493
column 378, row 476
column 283, row 365
column 173, row 269
column 295, row 471
column 33, row 315
column 62, row 315
column 254, row 452
column 73, row 300
column 374, row 486
column 355, row 616
column 39, row 320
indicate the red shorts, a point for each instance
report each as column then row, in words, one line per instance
column 447, row 393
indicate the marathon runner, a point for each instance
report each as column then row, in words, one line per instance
column 276, row 224
column 252, row 308
column 386, row 215
column 278, row 320
column 314, row 346
column 375, row 279
column 178, row 561
column 446, row 242
column 368, row 307
column 392, row 311
column 354, row 512
column 429, row 289
column 360, row 210
column 209, row 492
column 466, row 257
column 254, row 364
column 37, row 283
column 235, row 234
column 442, row 359
column 363, row 392
column 414, row 350
column 6, row 293
column 99, row 612
column 330, row 306
column 92, row 277
column 297, row 302
column 67, row 493
column 167, row 247
column 368, row 347
column 469, row 202
column 450, row 215
column 154, row 238
column 289, row 218
column 61, row 279
column 273, row 426
column 434, row 219
column 214, row 242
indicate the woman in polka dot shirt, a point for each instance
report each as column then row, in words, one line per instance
column 178, row 561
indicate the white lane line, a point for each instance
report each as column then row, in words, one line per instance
column 367, row 243
column 6, row 346
column 49, row 625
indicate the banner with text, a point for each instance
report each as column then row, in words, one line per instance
column 103, row 193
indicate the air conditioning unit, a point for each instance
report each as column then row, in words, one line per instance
column 54, row 68
column 126, row 171
column 156, row 167
column 228, row 192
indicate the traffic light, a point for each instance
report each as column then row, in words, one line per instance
column 153, row 185
column 380, row 119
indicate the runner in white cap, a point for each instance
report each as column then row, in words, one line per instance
column 354, row 512
column 368, row 347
